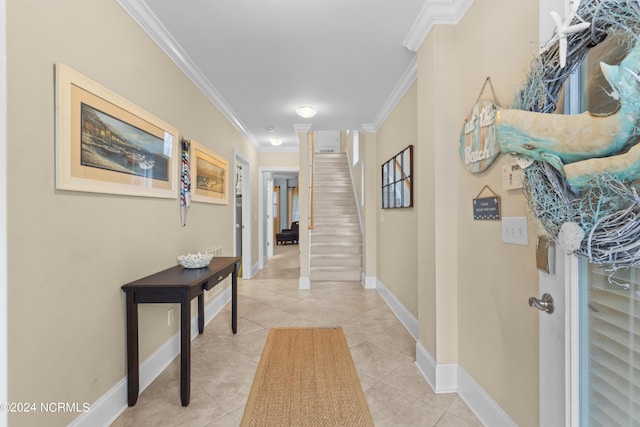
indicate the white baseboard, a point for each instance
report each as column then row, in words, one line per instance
column 449, row 378
column 370, row 282
column 254, row 270
column 443, row 377
column 405, row 317
column 426, row 365
column 105, row 410
column 481, row 404
column 108, row 407
column 304, row 283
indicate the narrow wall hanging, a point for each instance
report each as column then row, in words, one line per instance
column 185, row 182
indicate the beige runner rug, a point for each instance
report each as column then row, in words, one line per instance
column 306, row 377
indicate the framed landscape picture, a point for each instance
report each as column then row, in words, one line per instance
column 106, row 144
column 209, row 175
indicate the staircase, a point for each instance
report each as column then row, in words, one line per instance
column 336, row 239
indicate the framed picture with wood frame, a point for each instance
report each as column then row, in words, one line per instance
column 209, row 175
column 106, row 144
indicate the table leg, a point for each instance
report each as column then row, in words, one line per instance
column 201, row 313
column 133, row 370
column 185, row 351
column 234, row 299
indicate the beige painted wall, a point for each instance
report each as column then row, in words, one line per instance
column 437, row 82
column 346, row 143
column 305, row 140
column 369, row 211
column 396, row 230
column 287, row 159
column 69, row 252
column 69, row 306
column 485, row 282
column 498, row 332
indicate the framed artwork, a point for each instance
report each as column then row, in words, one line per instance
column 397, row 180
column 106, row 144
column 209, row 175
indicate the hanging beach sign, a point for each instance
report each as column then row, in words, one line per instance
column 478, row 145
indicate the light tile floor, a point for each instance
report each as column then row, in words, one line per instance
column 223, row 364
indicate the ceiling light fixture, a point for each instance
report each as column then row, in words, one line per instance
column 275, row 141
column 306, row 111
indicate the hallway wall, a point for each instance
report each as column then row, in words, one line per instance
column 467, row 289
column 69, row 252
column 478, row 288
column 397, row 259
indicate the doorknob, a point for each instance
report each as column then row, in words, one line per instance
column 544, row 304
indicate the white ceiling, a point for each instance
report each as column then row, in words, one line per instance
column 258, row 60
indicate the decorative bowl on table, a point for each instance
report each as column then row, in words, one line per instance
column 199, row 260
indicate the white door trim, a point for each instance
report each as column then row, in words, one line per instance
column 264, row 204
column 565, row 287
column 572, row 294
column 572, row 341
column 247, row 250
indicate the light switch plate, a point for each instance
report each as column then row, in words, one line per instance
column 514, row 230
column 512, row 176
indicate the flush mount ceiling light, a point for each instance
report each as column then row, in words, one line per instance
column 306, row 111
column 275, row 141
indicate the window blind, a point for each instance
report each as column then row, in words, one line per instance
column 613, row 331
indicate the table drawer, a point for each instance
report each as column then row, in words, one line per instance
column 219, row 277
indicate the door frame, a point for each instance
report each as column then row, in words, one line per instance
column 568, row 282
column 572, row 341
column 265, row 205
column 247, row 250
column 277, row 191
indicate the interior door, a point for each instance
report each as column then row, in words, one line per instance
column 270, row 233
column 239, row 229
column 555, row 328
column 553, row 351
column 276, row 211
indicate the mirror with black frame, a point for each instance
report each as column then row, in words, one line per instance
column 397, row 177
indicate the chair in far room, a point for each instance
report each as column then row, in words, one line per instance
column 288, row 235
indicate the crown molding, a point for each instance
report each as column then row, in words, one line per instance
column 410, row 75
column 434, row 12
column 368, row 128
column 302, row 128
column 143, row 16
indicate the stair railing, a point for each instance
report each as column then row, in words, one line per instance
column 312, row 153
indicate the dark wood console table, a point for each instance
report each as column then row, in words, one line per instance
column 176, row 285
